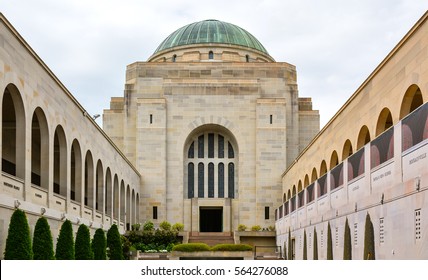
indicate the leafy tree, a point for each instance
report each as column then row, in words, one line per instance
column 369, row 246
column 82, row 247
column 99, row 245
column 347, row 245
column 305, row 249
column 18, row 241
column 114, row 243
column 329, row 243
column 65, row 242
column 290, row 245
column 315, row 244
column 42, row 241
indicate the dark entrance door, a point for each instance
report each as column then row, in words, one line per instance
column 211, row 219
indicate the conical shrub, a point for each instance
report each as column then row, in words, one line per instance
column 99, row 245
column 18, row 241
column 42, row 241
column 114, row 244
column 285, row 250
column 369, row 244
column 82, row 247
column 347, row 245
column 329, row 243
column 305, row 246
column 290, row 245
column 315, row 244
column 65, row 243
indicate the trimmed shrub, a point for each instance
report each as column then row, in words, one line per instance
column 290, row 247
column 191, row 247
column 285, row 250
column 148, row 226
column 178, row 227
column 82, row 247
column 305, row 246
column 256, row 228
column 315, row 244
column 231, row 247
column 99, row 245
column 347, row 245
column 42, row 241
column 242, row 227
column 114, row 243
column 18, row 241
column 329, row 243
column 271, row 228
column 369, row 246
column 165, row 225
column 65, row 243
column 135, row 227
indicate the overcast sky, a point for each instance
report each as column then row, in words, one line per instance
column 334, row 44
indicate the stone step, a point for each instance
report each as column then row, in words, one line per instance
column 211, row 238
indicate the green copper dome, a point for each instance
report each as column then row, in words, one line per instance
column 211, row 31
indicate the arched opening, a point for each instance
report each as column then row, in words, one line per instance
column 299, row 186
column 60, row 162
column 115, row 198
column 288, row 195
column 347, row 149
column 128, row 212
column 133, row 207
column 13, row 133
column 39, row 150
column 334, row 160
column 306, row 182
column 89, row 180
column 384, row 121
column 314, row 175
column 99, row 183
column 323, row 168
column 109, row 193
column 247, row 58
column 122, row 202
column 174, row 58
column 76, row 172
column 211, row 55
column 363, row 137
column 137, row 210
column 412, row 99
column 211, row 151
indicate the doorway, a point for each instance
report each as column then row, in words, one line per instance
column 211, row 219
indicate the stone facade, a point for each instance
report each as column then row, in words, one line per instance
column 56, row 161
column 369, row 159
column 167, row 105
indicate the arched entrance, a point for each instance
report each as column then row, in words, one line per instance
column 210, row 178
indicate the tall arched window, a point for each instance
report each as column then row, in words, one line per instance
column 215, row 161
column 211, row 55
column 13, row 133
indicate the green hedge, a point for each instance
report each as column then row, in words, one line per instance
column 82, row 246
column 196, row 247
column 191, row 247
column 114, row 243
column 42, row 241
column 18, row 242
column 65, row 244
column 99, row 245
column 231, row 247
